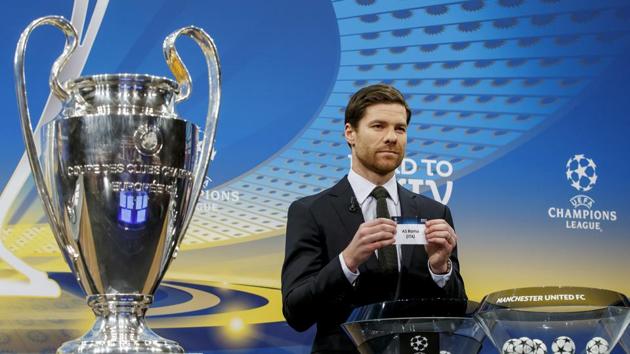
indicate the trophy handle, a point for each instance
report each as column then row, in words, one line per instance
column 57, row 88
column 182, row 76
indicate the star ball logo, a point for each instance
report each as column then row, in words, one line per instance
column 418, row 344
column 581, row 173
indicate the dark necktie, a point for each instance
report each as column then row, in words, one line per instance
column 387, row 256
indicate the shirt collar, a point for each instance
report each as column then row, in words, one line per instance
column 362, row 187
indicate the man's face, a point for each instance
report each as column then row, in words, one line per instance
column 379, row 139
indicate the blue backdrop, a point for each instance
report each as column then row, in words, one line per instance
column 509, row 98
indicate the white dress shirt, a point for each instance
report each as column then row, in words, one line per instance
column 362, row 189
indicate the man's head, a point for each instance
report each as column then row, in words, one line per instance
column 376, row 130
column 371, row 95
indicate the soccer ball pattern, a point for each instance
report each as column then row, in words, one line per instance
column 581, row 173
column 521, row 345
column 560, row 345
column 419, row 343
column 524, row 346
column 509, row 346
column 539, row 347
column 563, row 345
column 597, row 345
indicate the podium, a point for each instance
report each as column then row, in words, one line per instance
column 411, row 326
column 554, row 320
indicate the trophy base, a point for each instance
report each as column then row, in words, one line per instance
column 120, row 328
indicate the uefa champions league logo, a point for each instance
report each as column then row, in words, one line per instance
column 581, row 173
column 418, row 344
column 209, row 198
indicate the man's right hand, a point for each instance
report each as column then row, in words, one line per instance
column 370, row 236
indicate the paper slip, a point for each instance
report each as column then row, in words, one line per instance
column 409, row 231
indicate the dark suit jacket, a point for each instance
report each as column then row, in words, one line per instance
column 314, row 287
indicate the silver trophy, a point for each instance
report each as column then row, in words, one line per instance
column 119, row 174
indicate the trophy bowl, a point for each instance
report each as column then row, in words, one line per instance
column 566, row 320
column 429, row 326
column 119, row 174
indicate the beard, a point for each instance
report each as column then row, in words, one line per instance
column 380, row 164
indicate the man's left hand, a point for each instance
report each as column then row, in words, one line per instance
column 441, row 240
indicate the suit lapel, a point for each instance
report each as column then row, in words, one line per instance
column 408, row 208
column 342, row 194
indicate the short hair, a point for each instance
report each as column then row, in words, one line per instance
column 369, row 96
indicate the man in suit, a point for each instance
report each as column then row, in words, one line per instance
column 340, row 250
